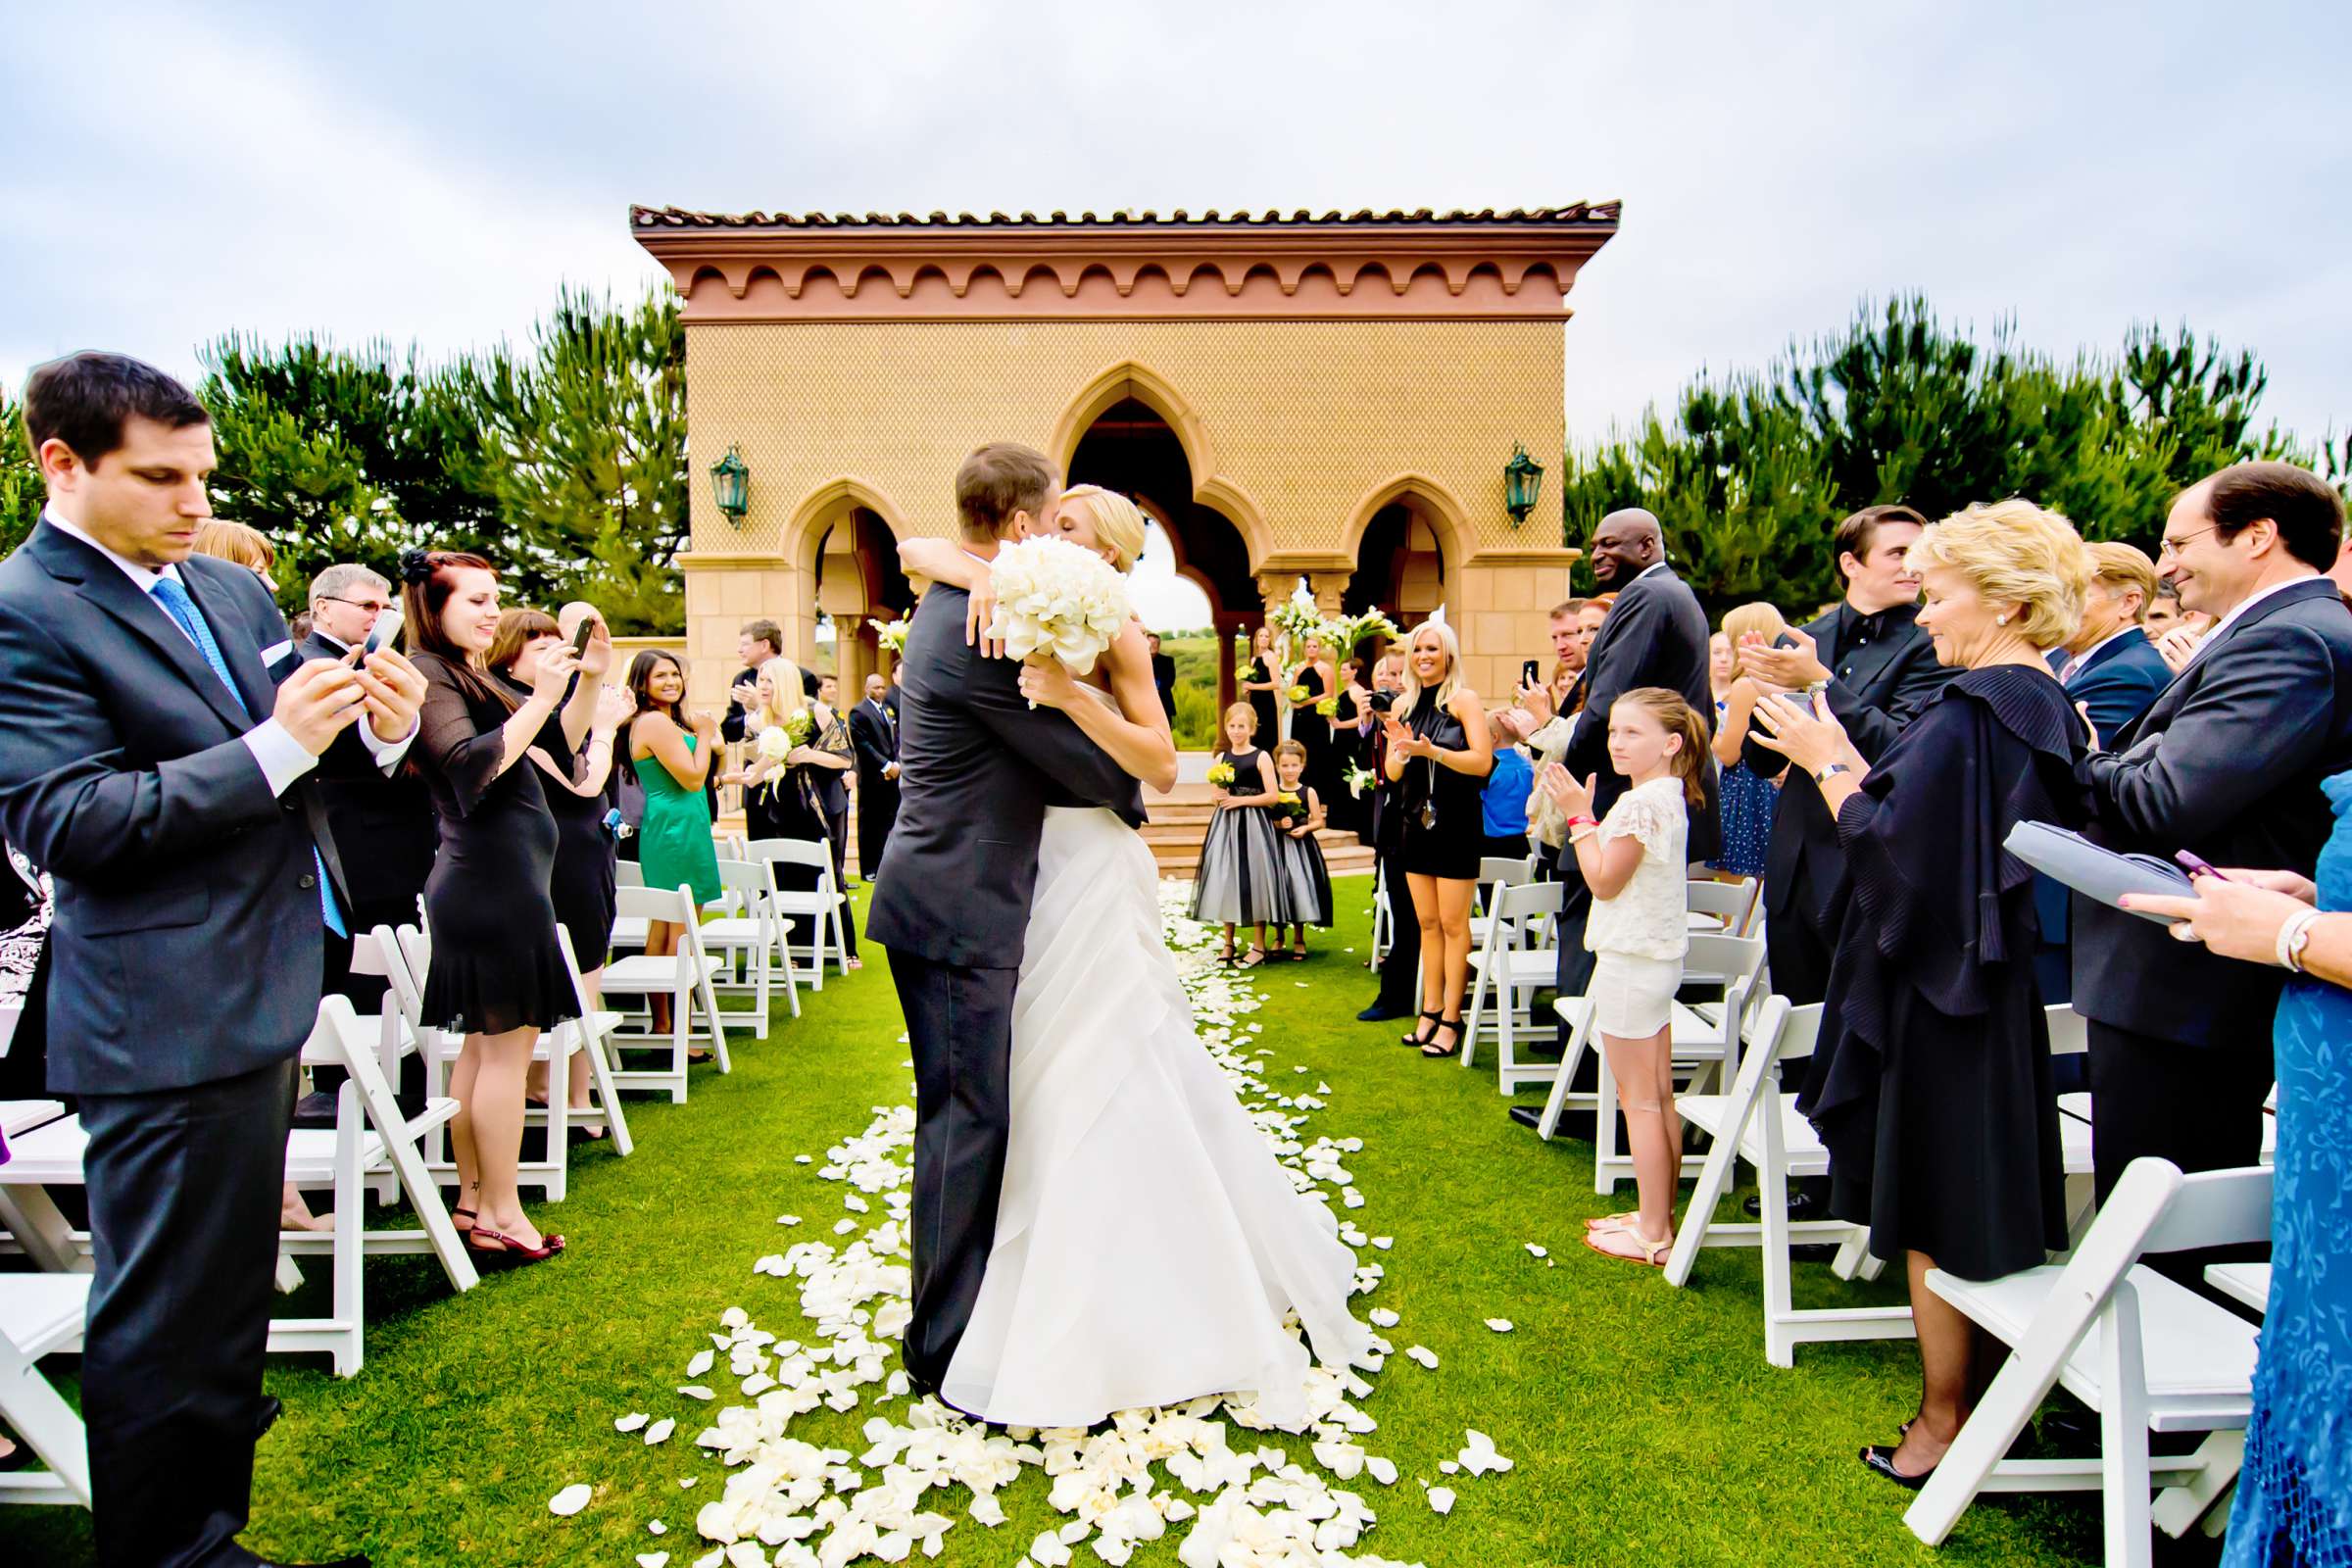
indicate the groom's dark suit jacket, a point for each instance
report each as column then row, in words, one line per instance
column 977, row 768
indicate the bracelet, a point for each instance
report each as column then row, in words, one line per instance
column 1587, row 822
column 2293, row 935
column 1579, row 837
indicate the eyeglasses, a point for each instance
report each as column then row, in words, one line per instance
column 374, row 606
column 2172, row 547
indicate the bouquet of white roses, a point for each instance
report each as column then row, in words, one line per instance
column 1054, row 598
column 891, row 634
column 772, row 744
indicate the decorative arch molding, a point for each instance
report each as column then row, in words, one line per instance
column 1440, row 505
column 1127, row 378
column 803, row 531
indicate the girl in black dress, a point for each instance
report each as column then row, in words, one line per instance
column 574, row 754
column 1930, row 1087
column 1237, row 881
column 1440, row 752
column 1305, row 878
column 1257, row 690
column 496, row 974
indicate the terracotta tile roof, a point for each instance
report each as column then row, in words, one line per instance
column 648, row 218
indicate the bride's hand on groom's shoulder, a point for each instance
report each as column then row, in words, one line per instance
column 979, row 613
column 1048, row 682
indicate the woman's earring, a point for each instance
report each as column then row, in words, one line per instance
column 2000, row 621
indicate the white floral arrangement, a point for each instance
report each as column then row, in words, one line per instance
column 1297, row 616
column 1359, row 779
column 1371, row 623
column 1054, row 598
column 775, row 741
column 891, row 634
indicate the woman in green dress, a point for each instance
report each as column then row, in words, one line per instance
column 671, row 754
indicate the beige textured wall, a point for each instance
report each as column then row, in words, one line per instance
column 1303, row 423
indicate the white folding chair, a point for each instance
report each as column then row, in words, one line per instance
column 819, row 905
column 594, row 1028
column 1727, row 908
column 749, row 943
column 1702, row 1041
column 1759, row 1124
column 684, row 976
column 1495, row 873
column 371, row 1134
column 629, row 934
column 42, row 1315
column 1382, row 938
column 411, row 961
column 2146, row 1353
column 1506, row 970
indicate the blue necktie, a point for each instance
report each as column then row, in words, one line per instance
column 174, row 599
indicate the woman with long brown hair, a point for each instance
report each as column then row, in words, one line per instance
column 672, row 753
column 497, row 976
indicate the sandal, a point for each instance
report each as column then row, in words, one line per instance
column 510, row 1253
column 468, row 1215
column 1251, row 960
column 1613, row 1222
column 1646, row 1251
column 1299, row 955
column 1432, row 1050
column 1417, row 1037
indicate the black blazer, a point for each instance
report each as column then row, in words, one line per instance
column 1655, row 635
column 877, row 741
column 2227, row 765
column 731, row 723
column 384, row 825
column 188, row 945
column 978, row 766
column 1878, row 690
column 1163, row 677
column 2120, row 683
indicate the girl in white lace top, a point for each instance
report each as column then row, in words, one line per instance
column 1638, row 866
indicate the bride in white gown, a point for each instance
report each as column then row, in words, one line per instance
column 1149, row 1246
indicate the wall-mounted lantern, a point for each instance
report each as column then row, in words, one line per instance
column 1522, row 482
column 731, row 485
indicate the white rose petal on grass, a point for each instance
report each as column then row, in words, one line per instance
column 653, row 1559
column 695, row 1390
column 1423, row 1354
column 1383, row 1243
column 571, row 1500
column 631, row 1422
column 844, row 1227
column 802, row 1159
column 1384, row 1318
column 1452, row 1467
column 1533, row 1251
column 1440, row 1500
column 659, row 1431
column 657, row 1528
column 701, row 1364
column 788, row 1220
column 1382, row 1470
column 1479, row 1456
column 1500, row 1325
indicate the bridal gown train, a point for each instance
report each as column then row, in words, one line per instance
column 1147, row 1242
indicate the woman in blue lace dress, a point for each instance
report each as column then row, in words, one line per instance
column 1748, row 798
column 2294, row 1497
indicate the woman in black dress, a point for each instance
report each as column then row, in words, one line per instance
column 1350, row 745
column 1310, row 727
column 496, row 975
column 790, row 789
column 1930, row 1087
column 1257, row 690
column 574, row 754
column 1440, row 752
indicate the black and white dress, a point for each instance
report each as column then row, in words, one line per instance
column 1305, row 878
column 1239, row 878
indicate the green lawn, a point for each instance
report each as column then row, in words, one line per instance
column 1645, row 1421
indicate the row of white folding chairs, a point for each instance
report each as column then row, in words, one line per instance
column 820, row 906
column 40, row 1314
column 372, row 1138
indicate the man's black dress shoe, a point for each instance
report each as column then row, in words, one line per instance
column 314, row 1109
column 1802, row 1205
column 1376, row 1014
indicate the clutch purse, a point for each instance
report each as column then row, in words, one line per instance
column 2094, row 871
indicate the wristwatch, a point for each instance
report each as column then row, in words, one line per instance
column 2293, row 936
column 1829, row 770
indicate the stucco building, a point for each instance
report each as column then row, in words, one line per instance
column 1332, row 398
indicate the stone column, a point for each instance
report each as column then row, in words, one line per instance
column 1327, row 587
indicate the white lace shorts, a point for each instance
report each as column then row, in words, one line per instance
column 1632, row 998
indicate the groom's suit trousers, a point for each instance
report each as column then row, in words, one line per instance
column 959, row 1026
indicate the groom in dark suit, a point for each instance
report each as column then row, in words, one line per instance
column 978, row 766
column 164, row 780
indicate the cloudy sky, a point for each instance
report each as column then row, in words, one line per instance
column 433, row 172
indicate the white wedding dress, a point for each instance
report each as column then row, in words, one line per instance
column 1147, row 1244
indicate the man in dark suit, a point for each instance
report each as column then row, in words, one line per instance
column 1399, row 995
column 159, row 776
column 1163, row 674
column 382, row 820
column 978, row 767
column 2228, row 765
column 875, row 733
column 759, row 642
column 1655, row 635
column 2110, row 666
column 1877, row 670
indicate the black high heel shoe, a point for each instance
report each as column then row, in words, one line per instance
column 1436, row 1053
column 1417, row 1037
column 1881, row 1461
